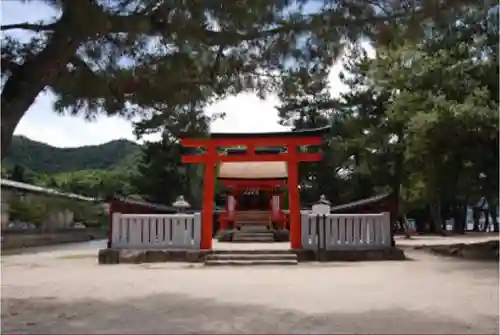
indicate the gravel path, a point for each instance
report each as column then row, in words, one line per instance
column 66, row 292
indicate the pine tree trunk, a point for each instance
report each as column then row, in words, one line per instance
column 494, row 216
column 493, row 212
column 460, row 219
column 436, row 216
column 29, row 79
column 476, row 215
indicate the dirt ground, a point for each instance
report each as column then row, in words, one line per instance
column 66, row 292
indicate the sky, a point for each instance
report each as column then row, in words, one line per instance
column 244, row 112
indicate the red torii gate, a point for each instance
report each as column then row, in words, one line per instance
column 211, row 157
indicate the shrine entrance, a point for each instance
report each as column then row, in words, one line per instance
column 253, row 200
column 288, row 149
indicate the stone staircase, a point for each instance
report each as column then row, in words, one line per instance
column 251, row 234
column 254, row 218
column 253, row 227
column 251, row 258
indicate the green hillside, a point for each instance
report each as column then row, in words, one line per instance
column 43, row 158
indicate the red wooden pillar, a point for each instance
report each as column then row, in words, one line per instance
column 294, row 198
column 208, row 199
column 231, row 205
column 223, row 217
column 271, row 208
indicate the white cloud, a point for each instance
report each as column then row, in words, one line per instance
column 41, row 124
column 244, row 112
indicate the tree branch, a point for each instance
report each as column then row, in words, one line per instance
column 318, row 105
column 28, row 26
column 8, row 65
column 149, row 24
column 82, row 65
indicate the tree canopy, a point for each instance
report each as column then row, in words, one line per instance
column 420, row 119
column 162, row 60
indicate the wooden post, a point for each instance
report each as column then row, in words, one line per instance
column 294, row 198
column 208, row 200
column 282, row 215
column 111, row 210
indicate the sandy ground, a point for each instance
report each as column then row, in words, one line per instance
column 64, row 291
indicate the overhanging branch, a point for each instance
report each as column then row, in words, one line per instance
column 318, row 105
column 8, row 64
column 28, row 26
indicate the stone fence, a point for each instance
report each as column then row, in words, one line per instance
column 23, row 238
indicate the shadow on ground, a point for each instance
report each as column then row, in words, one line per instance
column 482, row 251
column 179, row 314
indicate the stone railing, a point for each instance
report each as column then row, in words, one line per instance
column 156, row 231
column 346, row 231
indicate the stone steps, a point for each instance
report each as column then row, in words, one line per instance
column 253, row 234
column 250, row 259
column 254, row 228
column 252, row 252
column 252, row 219
column 269, row 255
column 253, row 237
column 249, row 262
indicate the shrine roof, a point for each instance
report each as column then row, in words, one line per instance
column 363, row 202
column 140, row 203
column 253, row 170
column 294, row 133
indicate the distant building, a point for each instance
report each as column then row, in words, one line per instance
column 56, row 219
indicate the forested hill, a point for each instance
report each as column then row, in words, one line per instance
column 43, row 158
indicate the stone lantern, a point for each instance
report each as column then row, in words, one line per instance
column 322, row 206
column 180, row 204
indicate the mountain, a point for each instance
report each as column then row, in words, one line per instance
column 43, row 158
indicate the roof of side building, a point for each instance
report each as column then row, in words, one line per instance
column 38, row 189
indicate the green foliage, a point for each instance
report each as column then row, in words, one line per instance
column 43, row 158
column 173, row 58
column 19, row 173
column 28, row 209
column 420, row 119
column 161, row 177
column 448, row 105
column 37, row 209
column 93, row 171
column 94, row 183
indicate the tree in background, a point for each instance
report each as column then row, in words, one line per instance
column 420, row 119
column 20, row 174
column 37, row 209
column 155, row 59
column 160, row 175
column 446, row 97
column 28, row 209
column 95, row 183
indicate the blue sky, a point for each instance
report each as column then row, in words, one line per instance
column 244, row 112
